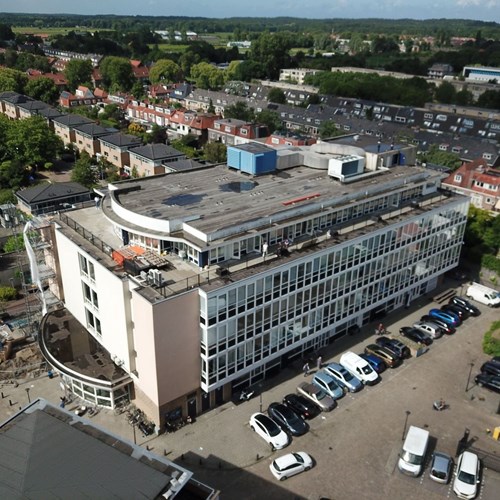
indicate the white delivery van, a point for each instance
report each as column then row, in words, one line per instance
column 359, row 368
column 483, row 294
column 412, row 456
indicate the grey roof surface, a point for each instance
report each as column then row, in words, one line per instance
column 71, row 120
column 156, row 151
column 93, row 129
column 42, row 456
column 122, row 140
column 50, row 112
column 33, row 105
column 50, row 191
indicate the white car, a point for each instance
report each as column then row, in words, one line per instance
column 359, row 368
column 290, row 464
column 269, row 430
column 467, row 475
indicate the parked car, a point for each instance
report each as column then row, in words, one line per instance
column 290, row 464
column 431, row 329
column 448, row 329
column 301, row 405
column 269, row 430
column 467, row 475
column 489, row 381
column 463, row 302
column 441, row 467
column 491, row 367
column 346, row 379
column 375, row 362
column 359, row 367
column 396, row 346
column 415, row 335
column 449, row 318
column 287, row 419
column 390, row 359
column 483, row 294
column 326, row 382
column 460, row 311
column 317, row 396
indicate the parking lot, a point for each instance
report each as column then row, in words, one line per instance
column 355, row 447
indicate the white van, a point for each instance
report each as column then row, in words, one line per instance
column 483, row 294
column 359, row 367
column 412, row 456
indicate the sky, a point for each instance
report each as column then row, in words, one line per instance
column 483, row 10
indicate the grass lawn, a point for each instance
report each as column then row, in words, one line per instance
column 31, row 30
column 170, row 47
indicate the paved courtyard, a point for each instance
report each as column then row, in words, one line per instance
column 356, row 446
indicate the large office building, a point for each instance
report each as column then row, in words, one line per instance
column 181, row 289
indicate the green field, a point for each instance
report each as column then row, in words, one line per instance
column 170, row 47
column 31, row 30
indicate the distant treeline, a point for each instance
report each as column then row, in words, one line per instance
column 459, row 27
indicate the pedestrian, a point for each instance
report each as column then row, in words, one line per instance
column 381, row 329
column 319, row 362
column 305, row 369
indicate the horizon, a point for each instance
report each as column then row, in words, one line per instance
column 391, row 10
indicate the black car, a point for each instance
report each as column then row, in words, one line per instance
column 415, row 335
column 489, row 381
column 301, row 405
column 460, row 311
column 491, row 368
column 398, row 348
column 448, row 329
column 470, row 308
column 287, row 419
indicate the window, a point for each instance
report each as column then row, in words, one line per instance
column 86, row 267
column 93, row 322
column 458, row 178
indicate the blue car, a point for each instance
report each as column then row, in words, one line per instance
column 375, row 362
column 328, row 384
column 448, row 317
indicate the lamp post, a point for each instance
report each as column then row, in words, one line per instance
column 408, row 412
column 468, row 378
column 28, row 394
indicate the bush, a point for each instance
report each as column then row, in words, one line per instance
column 7, row 293
column 491, row 262
column 491, row 342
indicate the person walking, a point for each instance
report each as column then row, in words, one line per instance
column 305, row 369
column 319, row 362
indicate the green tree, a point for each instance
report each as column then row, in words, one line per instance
column 84, row 172
column 12, row 80
column 31, row 141
column 43, row 89
column 489, row 99
column 215, row 152
column 117, row 73
column 232, row 70
column 165, row 70
column 276, row 95
column 207, row 76
column 269, row 118
column 240, row 111
column 78, row 72
column 437, row 157
column 14, row 244
column 328, row 129
column 271, row 51
column 13, row 175
column 464, row 97
column 445, row 93
column 7, row 293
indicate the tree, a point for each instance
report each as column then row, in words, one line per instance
column 31, row 141
column 84, row 172
column 271, row 50
column 12, row 80
column 14, row 244
column 443, row 158
column 240, row 111
column 269, row 118
column 207, row 76
column 489, row 99
column 7, row 293
column 43, row 89
column 276, row 95
column 464, row 97
column 328, row 129
column 445, row 93
column 215, row 152
column 78, row 72
column 165, row 70
column 117, row 73
column 13, row 175
column 136, row 129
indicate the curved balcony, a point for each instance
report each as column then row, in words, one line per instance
column 85, row 366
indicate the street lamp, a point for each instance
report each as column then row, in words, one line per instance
column 28, row 394
column 468, row 378
column 408, row 412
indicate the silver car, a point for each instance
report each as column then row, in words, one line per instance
column 441, row 467
column 345, row 378
column 317, row 395
column 434, row 331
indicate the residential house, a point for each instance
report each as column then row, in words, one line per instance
column 150, row 159
column 478, row 181
column 231, row 131
column 141, row 72
column 50, row 197
column 49, row 114
column 64, row 126
column 283, row 139
column 296, row 75
column 87, row 137
column 115, row 148
column 30, row 108
column 148, row 113
column 83, row 96
column 186, row 122
column 9, row 102
column 440, row 70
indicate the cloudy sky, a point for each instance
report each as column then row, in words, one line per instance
column 484, row 10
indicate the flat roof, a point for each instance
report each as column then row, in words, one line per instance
column 218, row 198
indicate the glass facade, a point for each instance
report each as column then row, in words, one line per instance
column 255, row 321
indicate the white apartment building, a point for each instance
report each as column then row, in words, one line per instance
column 180, row 289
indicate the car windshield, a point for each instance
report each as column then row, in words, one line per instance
column 412, row 459
column 347, row 376
column 466, row 478
column 332, row 385
column 298, row 458
column 320, row 394
column 271, row 427
column 439, row 474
